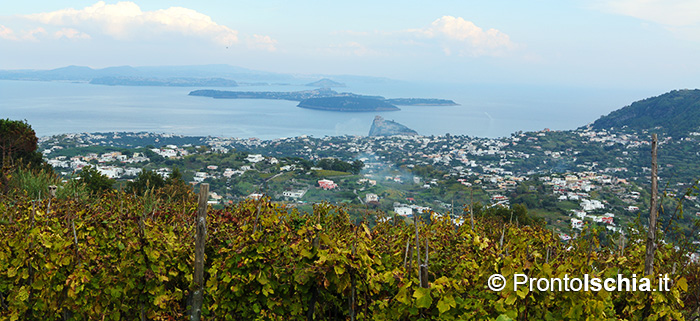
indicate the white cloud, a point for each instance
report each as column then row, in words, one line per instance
column 465, row 38
column 31, row 35
column 27, row 35
column 451, row 35
column 126, row 21
column 7, row 33
column 675, row 13
column 262, row 43
column 70, row 33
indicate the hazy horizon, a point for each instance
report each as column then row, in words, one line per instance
column 627, row 44
column 548, row 64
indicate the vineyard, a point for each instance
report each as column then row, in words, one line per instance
column 120, row 256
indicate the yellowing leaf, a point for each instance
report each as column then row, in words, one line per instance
column 339, row 270
column 11, row 272
column 322, row 256
column 23, row 294
column 325, row 239
column 503, row 317
column 682, row 284
column 423, row 299
column 446, row 303
column 305, row 253
column 262, row 279
column 402, row 296
column 369, row 235
column 523, row 291
column 547, row 269
column 161, row 300
column 511, row 298
column 442, row 280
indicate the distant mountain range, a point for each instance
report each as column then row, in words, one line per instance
column 207, row 75
column 81, row 73
column 171, row 82
column 676, row 113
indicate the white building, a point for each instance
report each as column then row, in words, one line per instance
column 200, row 176
column 590, row 205
column 403, row 210
column 254, row 158
column 580, row 214
column 294, row 194
column 132, row 171
column 164, row 172
column 576, row 223
column 110, row 171
column 370, row 197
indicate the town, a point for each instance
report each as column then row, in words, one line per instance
column 568, row 179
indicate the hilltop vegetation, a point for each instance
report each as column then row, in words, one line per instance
column 347, row 104
column 676, row 113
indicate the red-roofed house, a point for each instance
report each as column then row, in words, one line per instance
column 327, row 184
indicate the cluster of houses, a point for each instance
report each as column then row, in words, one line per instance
column 489, row 163
column 171, row 151
column 113, row 164
column 577, row 187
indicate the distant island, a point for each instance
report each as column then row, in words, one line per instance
column 351, row 104
column 325, row 83
column 328, row 99
column 279, row 95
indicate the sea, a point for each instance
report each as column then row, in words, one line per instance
column 484, row 110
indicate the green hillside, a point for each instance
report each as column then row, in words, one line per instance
column 676, row 112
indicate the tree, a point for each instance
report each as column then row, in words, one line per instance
column 18, row 144
column 146, row 181
column 95, row 181
column 175, row 187
column 171, row 188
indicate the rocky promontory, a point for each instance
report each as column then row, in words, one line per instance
column 382, row 127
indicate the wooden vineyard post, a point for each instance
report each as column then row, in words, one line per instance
column 471, row 206
column 199, row 241
column 424, row 267
column 415, row 222
column 651, row 234
column 52, row 191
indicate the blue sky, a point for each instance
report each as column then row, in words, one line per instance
column 650, row 44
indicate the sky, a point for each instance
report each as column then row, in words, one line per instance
column 648, row 44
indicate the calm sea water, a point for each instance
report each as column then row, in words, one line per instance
column 484, row 111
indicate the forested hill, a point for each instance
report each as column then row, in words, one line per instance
column 676, row 112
